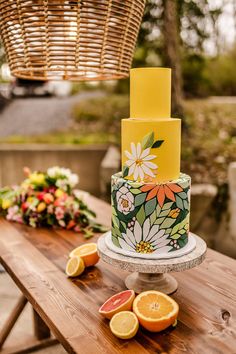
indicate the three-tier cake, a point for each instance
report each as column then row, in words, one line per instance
column 150, row 197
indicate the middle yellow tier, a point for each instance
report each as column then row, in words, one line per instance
column 151, row 149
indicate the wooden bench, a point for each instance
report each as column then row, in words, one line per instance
column 36, row 258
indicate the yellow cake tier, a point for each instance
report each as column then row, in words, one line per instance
column 150, row 138
column 151, row 149
column 150, row 93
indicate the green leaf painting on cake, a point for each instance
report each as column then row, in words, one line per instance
column 138, row 163
column 150, row 217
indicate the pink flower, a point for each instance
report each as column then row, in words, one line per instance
column 59, row 212
column 50, row 209
column 77, row 228
column 14, row 214
column 11, row 212
column 18, row 218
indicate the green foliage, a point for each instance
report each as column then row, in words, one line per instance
column 139, row 199
column 125, row 171
column 115, row 240
column 150, row 206
column 83, row 136
column 180, row 228
column 111, row 109
column 102, row 114
column 141, row 215
column 168, row 222
column 196, row 82
column 135, row 191
column 148, row 140
column 221, row 74
column 204, row 76
column 157, row 144
column 196, row 22
column 209, row 145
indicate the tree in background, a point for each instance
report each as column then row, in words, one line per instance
column 174, row 33
column 171, row 56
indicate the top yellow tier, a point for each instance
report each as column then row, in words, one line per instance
column 150, row 93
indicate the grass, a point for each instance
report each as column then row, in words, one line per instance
column 66, row 137
column 208, row 142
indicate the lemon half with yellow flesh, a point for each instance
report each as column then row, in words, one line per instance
column 124, row 324
column 75, row 266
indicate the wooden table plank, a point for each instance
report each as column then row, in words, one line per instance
column 36, row 260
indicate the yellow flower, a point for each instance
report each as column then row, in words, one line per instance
column 41, row 207
column 30, row 200
column 6, row 203
column 174, row 213
column 37, row 178
column 59, row 193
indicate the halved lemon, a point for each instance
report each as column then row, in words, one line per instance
column 75, row 266
column 88, row 252
column 155, row 311
column 124, row 324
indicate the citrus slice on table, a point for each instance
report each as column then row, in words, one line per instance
column 88, row 252
column 119, row 302
column 75, row 266
column 124, row 324
column 156, row 311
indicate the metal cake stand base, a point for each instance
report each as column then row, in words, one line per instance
column 151, row 274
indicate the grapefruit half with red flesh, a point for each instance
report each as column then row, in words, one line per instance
column 119, row 302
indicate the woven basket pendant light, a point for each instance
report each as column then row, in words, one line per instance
column 71, row 40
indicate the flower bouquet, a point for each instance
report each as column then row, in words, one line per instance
column 48, row 199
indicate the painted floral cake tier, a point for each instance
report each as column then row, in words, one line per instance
column 150, row 217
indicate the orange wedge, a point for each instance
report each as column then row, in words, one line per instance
column 88, row 252
column 124, row 325
column 155, row 311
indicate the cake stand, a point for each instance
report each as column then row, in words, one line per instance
column 151, row 274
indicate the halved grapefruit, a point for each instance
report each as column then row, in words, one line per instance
column 119, row 302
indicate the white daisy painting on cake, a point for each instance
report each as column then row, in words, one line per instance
column 139, row 164
column 145, row 238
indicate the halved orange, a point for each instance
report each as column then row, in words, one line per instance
column 155, row 311
column 119, row 302
column 124, row 325
column 88, row 252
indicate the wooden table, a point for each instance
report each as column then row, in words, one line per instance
column 36, row 259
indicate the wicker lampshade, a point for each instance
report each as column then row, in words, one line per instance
column 70, row 39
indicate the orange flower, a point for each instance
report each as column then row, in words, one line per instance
column 161, row 191
column 48, row 198
column 70, row 224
